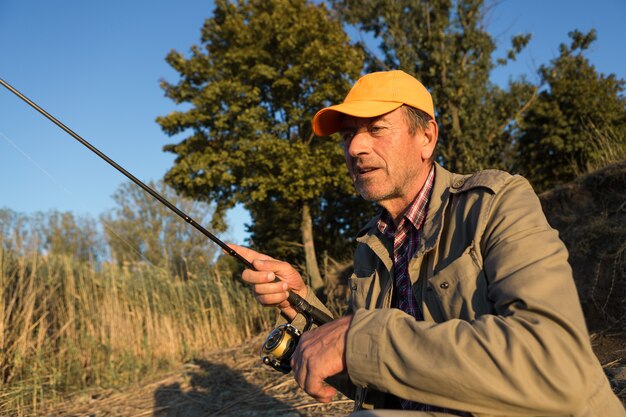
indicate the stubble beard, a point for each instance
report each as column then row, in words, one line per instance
column 369, row 193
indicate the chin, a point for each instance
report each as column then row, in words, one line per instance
column 372, row 195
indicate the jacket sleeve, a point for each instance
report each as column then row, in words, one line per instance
column 531, row 356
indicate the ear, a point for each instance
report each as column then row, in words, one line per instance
column 429, row 139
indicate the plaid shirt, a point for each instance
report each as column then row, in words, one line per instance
column 406, row 237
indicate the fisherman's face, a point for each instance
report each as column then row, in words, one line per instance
column 387, row 164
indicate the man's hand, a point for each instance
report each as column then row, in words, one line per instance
column 321, row 353
column 266, row 291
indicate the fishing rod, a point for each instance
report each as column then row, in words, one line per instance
column 281, row 342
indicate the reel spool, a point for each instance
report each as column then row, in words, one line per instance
column 280, row 345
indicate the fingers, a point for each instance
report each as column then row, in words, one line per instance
column 274, row 293
column 258, row 277
column 269, row 269
column 319, row 390
column 282, row 269
column 323, row 393
column 263, row 262
column 266, row 290
column 248, row 253
column 321, row 353
column 313, row 383
column 271, row 279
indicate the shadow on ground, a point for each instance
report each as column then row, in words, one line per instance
column 216, row 390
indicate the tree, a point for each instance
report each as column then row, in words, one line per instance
column 54, row 232
column 16, row 235
column 444, row 43
column 67, row 234
column 140, row 229
column 264, row 70
column 336, row 218
column 577, row 117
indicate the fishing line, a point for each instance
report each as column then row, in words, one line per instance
column 36, row 164
column 76, row 199
column 282, row 341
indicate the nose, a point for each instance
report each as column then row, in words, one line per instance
column 360, row 143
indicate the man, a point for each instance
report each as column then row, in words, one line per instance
column 462, row 300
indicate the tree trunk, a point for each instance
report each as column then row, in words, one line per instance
column 312, row 269
column 455, row 158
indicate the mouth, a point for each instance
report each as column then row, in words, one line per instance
column 361, row 171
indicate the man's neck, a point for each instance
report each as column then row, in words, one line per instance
column 398, row 206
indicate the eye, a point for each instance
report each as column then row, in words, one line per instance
column 347, row 135
column 377, row 130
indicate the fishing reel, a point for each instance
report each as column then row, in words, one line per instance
column 281, row 344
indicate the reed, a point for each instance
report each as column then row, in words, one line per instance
column 67, row 325
column 606, row 147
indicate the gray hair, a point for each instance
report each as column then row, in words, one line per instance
column 416, row 118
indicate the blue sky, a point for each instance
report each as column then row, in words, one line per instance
column 96, row 66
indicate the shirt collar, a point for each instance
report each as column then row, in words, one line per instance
column 415, row 212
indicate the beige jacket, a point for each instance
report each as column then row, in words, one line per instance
column 504, row 333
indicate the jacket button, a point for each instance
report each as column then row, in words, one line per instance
column 444, row 285
column 458, row 183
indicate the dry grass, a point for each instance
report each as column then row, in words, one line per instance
column 590, row 215
column 606, row 146
column 66, row 326
column 104, row 336
column 233, row 382
column 226, row 382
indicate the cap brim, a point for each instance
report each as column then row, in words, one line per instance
column 328, row 121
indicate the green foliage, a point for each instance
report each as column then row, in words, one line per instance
column 336, row 218
column 53, row 233
column 140, row 230
column 264, row 69
column 445, row 45
column 68, row 234
column 15, row 231
column 579, row 115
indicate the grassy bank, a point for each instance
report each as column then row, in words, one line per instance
column 67, row 325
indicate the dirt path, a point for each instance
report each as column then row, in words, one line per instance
column 230, row 382
column 233, row 382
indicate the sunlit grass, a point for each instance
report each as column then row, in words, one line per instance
column 67, row 325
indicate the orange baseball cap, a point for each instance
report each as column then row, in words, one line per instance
column 374, row 95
